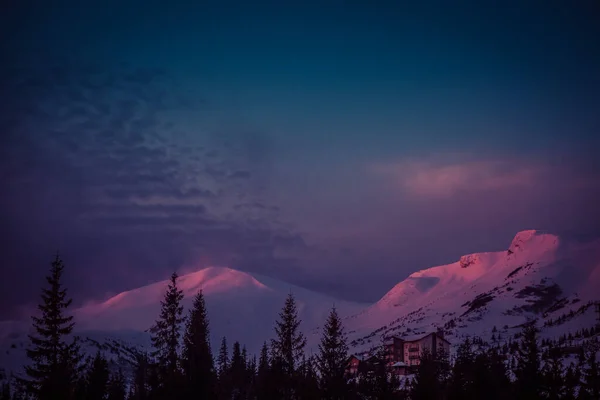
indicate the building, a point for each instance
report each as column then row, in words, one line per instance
column 356, row 361
column 402, row 353
column 416, row 345
column 394, row 347
column 353, row 363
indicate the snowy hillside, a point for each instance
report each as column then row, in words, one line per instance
column 241, row 306
column 538, row 276
column 484, row 294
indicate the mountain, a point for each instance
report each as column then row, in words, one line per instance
column 241, row 306
column 490, row 295
column 540, row 276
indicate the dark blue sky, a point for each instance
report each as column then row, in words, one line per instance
column 337, row 145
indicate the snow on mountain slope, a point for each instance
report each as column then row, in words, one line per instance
column 241, row 306
column 539, row 276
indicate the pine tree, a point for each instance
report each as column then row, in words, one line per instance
column 590, row 372
column 431, row 378
column 308, row 388
column 116, row 387
column 384, row 385
column 263, row 374
column 528, row 369
column 143, row 376
column 55, row 364
column 197, row 359
column 553, row 381
column 97, row 378
column 166, row 334
column 223, row 368
column 333, row 358
column 5, row 391
column 497, row 384
column 223, row 360
column 461, row 385
column 571, row 383
column 237, row 373
column 288, row 347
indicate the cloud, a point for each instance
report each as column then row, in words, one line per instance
column 442, row 180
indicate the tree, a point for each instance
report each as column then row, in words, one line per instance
column 553, row 381
column 431, row 377
column 590, row 372
column 223, row 359
column 237, row 373
column 528, row 370
column 224, row 376
column 496, row 384
column 308, row 387
column 333, row 358
column 116, row 387
column 166, row 334
column 144, row 378
column 55, row 364
column 97, row 378
column 5, row 391
column 462, row 379
column 197, row 359
column 288, row 347
column 263, row 374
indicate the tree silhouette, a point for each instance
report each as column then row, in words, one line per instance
column 55, row 364
column 332, row 359
column 166, row 334
column 288, row 347
column 197, row 359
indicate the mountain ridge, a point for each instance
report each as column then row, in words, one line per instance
column 487, row 294
column 468, row 297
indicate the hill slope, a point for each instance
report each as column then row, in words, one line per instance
column 538, row 276
column 241, row 306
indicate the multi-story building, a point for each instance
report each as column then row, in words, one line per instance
column 403, row 353
column 416, row 345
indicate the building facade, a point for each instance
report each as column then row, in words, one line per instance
column 415, row 346
column 403, row 353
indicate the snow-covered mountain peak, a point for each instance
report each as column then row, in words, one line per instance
column 210, row 280
column 539, row 276
column 533, row 241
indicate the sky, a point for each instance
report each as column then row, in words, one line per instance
column 336, row 145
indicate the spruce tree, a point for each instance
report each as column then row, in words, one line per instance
column 237, row 373
column 497, row 384
column 461, row 385
column 251, row 378
column 590, row 374
column 143, row 376
column 223, row 359
column 166, row 334
column 528, row 370
column 97, row 378
column 288, row 347
column 197, row 359
column 55, row 364
column 332, row 359
column 223, row 369
column 5, row 391
column 430, row 378
column 116, row 387
column 263, row 374
column 309, row 381
column 384, row 385
column 553, row 380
